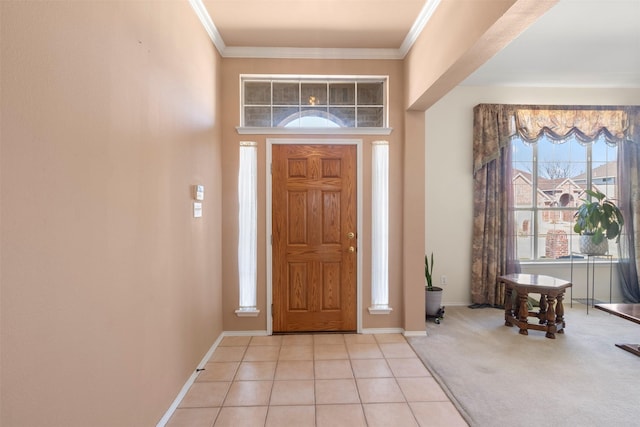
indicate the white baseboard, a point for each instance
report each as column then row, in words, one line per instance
column 415, row 333
column 244, row 333
column 383, row 331
column 176, row 402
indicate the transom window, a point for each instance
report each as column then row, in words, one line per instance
column 313, row 102
column 549, row 180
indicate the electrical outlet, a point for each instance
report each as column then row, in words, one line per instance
column 443, row 280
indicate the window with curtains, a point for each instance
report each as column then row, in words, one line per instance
column 549, row 179
column 559, row 154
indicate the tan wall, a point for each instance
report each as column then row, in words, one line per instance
column 232, row 68
column 413, row 222
column 110, row 289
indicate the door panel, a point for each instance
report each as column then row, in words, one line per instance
column 314, row 210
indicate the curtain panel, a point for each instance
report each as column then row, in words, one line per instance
column 493, row 225
column 494, row 236
column 629, row 204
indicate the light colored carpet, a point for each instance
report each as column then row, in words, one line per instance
column 498, row 377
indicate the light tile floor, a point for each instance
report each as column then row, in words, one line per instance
column 315, row 380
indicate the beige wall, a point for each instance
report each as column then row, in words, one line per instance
column 232, row 68
column 449, row 179
column 111, row 291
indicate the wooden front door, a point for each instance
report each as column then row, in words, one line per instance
column 314, row 241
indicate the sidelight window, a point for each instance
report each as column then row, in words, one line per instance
column 248, row 229
column 380, row 229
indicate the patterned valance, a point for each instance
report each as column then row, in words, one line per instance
column 586, row 125
column 495, row 124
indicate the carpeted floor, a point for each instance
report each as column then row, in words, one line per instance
column 498, row 377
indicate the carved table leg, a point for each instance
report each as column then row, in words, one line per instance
column 551, row 317
column 560, row 313
column 523, row 312
column 508, row 304
column 542, row 314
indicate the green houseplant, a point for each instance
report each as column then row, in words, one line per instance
column 597, row 221
column 433, row 294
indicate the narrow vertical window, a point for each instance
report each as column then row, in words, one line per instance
column 380, row 229
column 248, row 229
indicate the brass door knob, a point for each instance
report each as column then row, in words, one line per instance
column 352, row 249
column 351, row 235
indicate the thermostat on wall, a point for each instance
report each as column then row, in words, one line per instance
column 198, row 192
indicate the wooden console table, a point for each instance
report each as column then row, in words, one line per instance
column 626, row 311
column 551, row 314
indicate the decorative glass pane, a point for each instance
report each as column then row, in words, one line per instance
column 370, row 94
column 346, row 115
column 257, row 116
column 342, row 93
column 284, row 115
column 315, row 117
column 286, row 93
column 314, row 111
column 314, row 94
column 370, row 117
column 257, row 93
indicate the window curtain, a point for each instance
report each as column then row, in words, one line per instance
column 629, row 203
column 559, row 123
column 494, row 229
column 494, row 245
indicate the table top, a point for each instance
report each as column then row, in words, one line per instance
column 535, row 281
column 626, row 311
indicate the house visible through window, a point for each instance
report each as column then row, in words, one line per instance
column 314, row 102
column 549, row 180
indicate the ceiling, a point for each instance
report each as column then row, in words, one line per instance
column 325, row 29
column 314, row 23
column 578, row 43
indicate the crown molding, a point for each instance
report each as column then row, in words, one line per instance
column 421, row 21
column 310, row 53
column 209, row 26
column 313, row 53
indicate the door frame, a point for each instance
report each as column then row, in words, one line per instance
column 269, row 205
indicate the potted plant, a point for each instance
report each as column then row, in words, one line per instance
column 432, row 294
column 597, row 221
